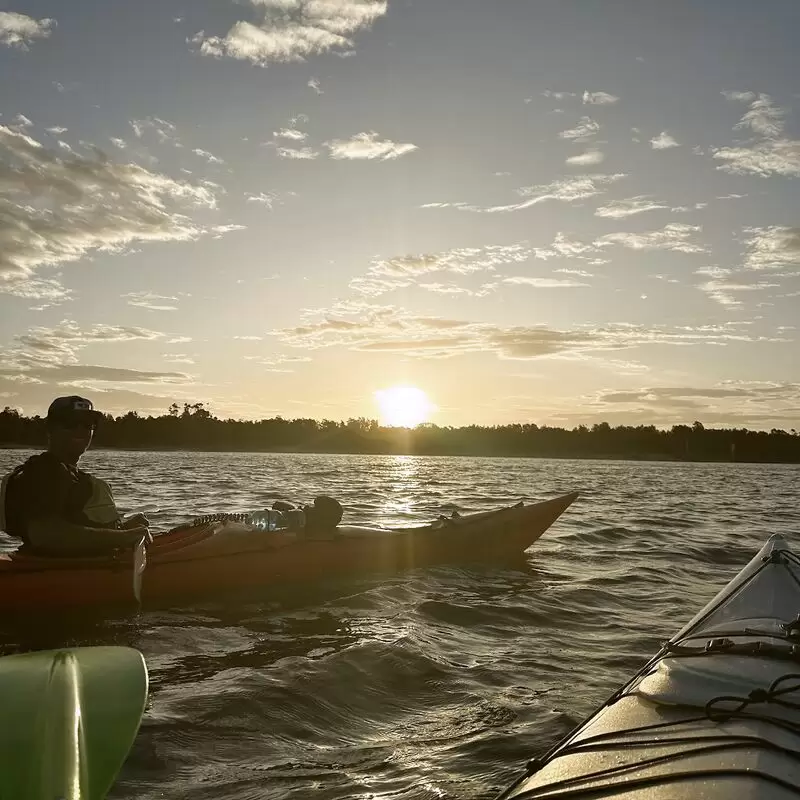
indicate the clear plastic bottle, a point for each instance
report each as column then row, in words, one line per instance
column 265, row 520
column 272, row 520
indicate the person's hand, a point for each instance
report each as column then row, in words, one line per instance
column 136, row 521
column 132, row 536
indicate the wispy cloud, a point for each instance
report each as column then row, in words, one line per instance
column 60, row 345
column 299, row 153
column 19, row 30
column 293, row 134
column 774, row 247
column 558, row 95
column 367, row 327
column 725, row 292
column 664, row 141
column 165, row 131
column 151, row 301
column 742, row 97
column 386, row 275
column 367, row 146
column 314, row 83
column 676, row 237
column 210, row 157
column 586, row 159
column 769, row 152
column 56, row 207
column 292, row 30
column 599, row 98
column 545, row 283
column 583, row 131
column 619, row 209
column 565, row 190
column 56, row 130
column 267, row 199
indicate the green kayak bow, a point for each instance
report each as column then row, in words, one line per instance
column 68, row 719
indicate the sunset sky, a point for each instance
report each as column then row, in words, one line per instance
column 557, row 211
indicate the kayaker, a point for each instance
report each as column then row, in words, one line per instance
column 58, row 509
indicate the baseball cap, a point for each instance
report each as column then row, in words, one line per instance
column 68, row 408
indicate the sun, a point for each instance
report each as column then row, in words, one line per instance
column 403, row 406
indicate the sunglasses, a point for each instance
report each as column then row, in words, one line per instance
column 77, row 424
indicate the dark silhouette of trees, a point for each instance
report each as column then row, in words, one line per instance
column 195, row 428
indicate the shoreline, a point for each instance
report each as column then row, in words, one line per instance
column 648, row 458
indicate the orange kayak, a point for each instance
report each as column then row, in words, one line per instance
column 199, row 560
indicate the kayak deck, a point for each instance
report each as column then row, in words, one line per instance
column 200, row 559
column 715, row 714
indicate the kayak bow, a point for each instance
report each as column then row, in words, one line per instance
column 68, row 719
column 715, row 714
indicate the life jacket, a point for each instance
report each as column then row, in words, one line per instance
column 99, row 509
column 100, row 506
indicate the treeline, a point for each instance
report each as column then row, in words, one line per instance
column 195, row 428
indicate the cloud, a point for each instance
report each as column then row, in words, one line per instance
column 586, row 159
column 386, row 275
column 731, row 402
column 56, row 130
column 619, row 209
column 559, row 95
column 743, row 97
column 77, row 372
column 40, row 353
column 120, row 143
column 774, row 247
column 664, row 141
column 153, row 302
column 291, row 133
column 210, row 157
column 451, row 288
column 763, row 117
column 599, row 98
column 582, row 132
column 56, row 207
column 769, row 152
column 675, row 237
column 165, row 131
column 367, row 146
column 293, row 30
column 724, row 292
column 20, row 31
column 21, row 121
column 565, row 190
column 263, row 198
column 366, row 327
column 297, row 153
column 314, row 83
column 545, row 283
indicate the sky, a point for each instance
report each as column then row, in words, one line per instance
column 550, row 211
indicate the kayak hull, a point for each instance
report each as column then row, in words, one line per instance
column 197, row 561
column 715, row 714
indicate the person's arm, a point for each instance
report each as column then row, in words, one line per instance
column 51, row 535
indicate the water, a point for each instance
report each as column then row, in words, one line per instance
column 437, row 683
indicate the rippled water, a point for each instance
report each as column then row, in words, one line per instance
column 437, row 683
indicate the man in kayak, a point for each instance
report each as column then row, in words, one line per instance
column 58, row 509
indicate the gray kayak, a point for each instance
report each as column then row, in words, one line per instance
column 715, row 714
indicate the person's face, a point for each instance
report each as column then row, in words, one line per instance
column 72, row 435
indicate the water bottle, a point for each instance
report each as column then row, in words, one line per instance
column 266, row 520
column 272, row 520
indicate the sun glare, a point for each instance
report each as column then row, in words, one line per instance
column 403, row 406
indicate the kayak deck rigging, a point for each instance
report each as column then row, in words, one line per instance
column 714, row 714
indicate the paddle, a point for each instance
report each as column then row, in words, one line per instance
column 139, row 563
column 68, row 719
